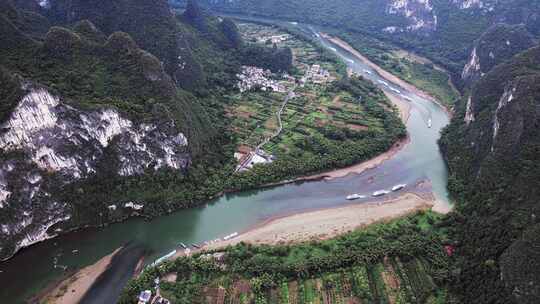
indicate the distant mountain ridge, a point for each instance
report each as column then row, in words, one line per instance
column 445, row 31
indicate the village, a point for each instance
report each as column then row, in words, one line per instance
column 252, row 80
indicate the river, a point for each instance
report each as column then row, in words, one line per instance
column 33, row 268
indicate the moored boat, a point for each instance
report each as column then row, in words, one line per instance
column 395, row 90
column 355, row 196
column 230, row 236
column 380, row 193
column 398, row 187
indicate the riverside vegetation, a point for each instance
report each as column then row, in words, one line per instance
column 403, row 261
column 420, row 72
column 491, row 145
column 100, row 63
column 327, row 125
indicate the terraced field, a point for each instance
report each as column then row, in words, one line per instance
column 316, row 107
column 393, row 281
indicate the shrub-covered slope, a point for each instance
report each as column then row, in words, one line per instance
column 493, row 152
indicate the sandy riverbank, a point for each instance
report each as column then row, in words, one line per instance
column 363, row 166
column 385, row 74
column 404, row 108
column 329, row 223
column 72, row 290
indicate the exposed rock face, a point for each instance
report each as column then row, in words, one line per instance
column 472, row 70
column 498, row 44
column 469, row 114
column 475, row 4
column 419, row 14
column 45, row 136
column 493, row 146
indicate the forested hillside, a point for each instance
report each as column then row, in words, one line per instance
column 442, row 30
column 98, row 111
column 493, row 152
column 497, row 45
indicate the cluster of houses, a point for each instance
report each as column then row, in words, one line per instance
column 274, row 39
column 254, row 77
column 248, row 159
column 317, row 75
column 129, row 205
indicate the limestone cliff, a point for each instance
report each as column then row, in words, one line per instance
column 497, row 45
column 45, row 137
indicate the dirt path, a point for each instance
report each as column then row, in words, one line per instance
column 290, row 95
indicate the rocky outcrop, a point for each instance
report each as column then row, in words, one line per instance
column 492, row 147
column 46, row 141
column 497, row 45
column 419, row 14
column 484, row 5
column 472, row 70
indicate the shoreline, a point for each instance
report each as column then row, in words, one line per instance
column 305, row 226
column 327, row 223
column 72, row 289
column 404, row 109
column 384, row 73
column 361, row 167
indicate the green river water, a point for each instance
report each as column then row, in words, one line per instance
column 33, row 268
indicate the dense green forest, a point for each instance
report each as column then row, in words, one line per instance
column 447, row 43
column 493, row 158
column 92, row 64
column 358, row 266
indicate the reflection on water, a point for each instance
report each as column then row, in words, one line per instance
column 33, row 268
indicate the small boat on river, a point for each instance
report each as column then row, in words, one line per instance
column 395, row 90
column 429, row 123
column 406, row 97
column 164, row 258
column 355, row 196
column 230, row 236
column 398, row 187
column 380, row 193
